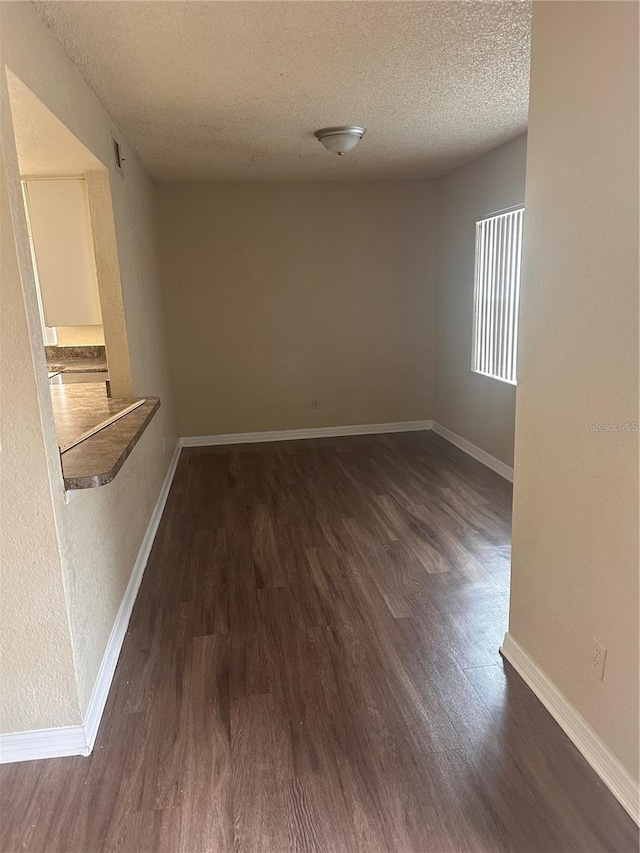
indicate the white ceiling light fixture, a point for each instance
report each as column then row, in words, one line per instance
column 340, row 139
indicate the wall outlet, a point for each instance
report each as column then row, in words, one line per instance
column 315, row 403
column 598, row 659
column 164, row 446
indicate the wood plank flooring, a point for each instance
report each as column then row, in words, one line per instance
column 312, row 665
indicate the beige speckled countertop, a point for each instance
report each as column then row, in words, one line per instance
column 77, row 365
column 97, row 460
column 86, row 359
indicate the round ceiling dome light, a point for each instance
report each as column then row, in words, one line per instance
column 340, row 139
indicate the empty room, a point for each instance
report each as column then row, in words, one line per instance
column 319, row 389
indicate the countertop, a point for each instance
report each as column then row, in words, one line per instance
column 80, row 359
column 77, row 365
column 97, row 460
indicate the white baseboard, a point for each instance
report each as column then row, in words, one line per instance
column 478, row 453
column 79, row 740
column 356, row 429
column 43, row 743
column 114, row 645
column 297, row 434
column 619, row 781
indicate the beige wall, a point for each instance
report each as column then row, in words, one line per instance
column 84, row 549
column 63, row 247
column 33, row 609
column 575, row 528
column 280, row 293
column 80, row 336
column 476, row 407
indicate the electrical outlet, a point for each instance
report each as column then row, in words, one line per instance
column 164, row 445
column 315, row 403
column 598, row 659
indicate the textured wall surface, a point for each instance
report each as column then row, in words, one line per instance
column 98, row 532
column 478, row 408
column 575, row 523
column 37, row 674
column 280, row 293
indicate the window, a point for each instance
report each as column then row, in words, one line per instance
column 497, row 293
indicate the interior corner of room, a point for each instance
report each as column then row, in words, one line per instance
column 318, row 473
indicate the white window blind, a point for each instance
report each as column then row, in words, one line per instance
column 497, row 294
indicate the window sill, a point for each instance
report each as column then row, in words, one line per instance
column 493, row 376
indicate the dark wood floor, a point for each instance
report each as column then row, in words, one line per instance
column 312, row 665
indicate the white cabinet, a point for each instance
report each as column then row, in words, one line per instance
column 63, row 246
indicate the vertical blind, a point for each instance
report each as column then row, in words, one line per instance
column 497, row 294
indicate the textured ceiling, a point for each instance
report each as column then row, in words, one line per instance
column 232, row 91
